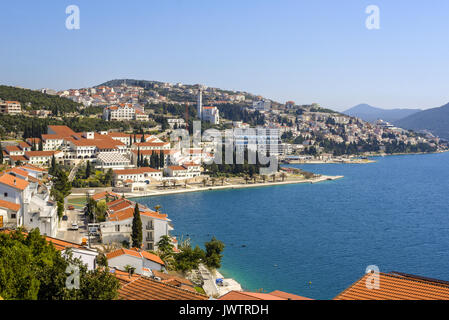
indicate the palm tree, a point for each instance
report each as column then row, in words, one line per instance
column 157, row 208
column 204, row 182
column 273, row 176
column 213, row 180
column 222, row 180
column 247, row 178
column 264, row 178
column 164, row 184
column 185, row 184
column 254, row 177
column 283, row 176
column 174, row 183
column 129, row 269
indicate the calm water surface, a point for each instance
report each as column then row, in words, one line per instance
column 316, row 240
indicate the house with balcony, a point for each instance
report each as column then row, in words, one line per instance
column 118, row 225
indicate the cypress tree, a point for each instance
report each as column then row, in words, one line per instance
column 136, row 235
column 161, row 160
column 1, row 153
column 88, row 170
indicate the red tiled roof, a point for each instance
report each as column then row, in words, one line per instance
column 147, row 289
column 394, row 286
column 62, row 130
column 275, row 295
column 30, row 154
column 135, row 253
column 102, row 195
column 9, row 205
column 13, row 181
column 136, row 170
column 176, row 168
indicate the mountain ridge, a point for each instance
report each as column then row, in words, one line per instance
column 369, row 113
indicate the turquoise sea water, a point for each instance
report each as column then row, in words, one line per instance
column 316, row 240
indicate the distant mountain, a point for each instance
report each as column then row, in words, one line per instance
column 371, row 114
column 435, row 120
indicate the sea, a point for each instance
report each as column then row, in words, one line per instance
column 315, row 240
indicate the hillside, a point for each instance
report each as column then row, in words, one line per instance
column 35, row 100
column 371, row 114
column 435, row 120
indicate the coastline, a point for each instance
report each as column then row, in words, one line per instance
column 231, row 186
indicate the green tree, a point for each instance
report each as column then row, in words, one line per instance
column 32, row 269
column 213, row 255
column 88, row 170
column 165, row 247
column 136, row 234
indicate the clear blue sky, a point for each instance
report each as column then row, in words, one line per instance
column 306, row 51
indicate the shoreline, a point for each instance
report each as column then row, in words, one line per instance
column 232, row 186
column 365, row 161
column 212, row 188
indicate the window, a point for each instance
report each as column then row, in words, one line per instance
column 117, row 228
column 13, row 215
column 6, row 194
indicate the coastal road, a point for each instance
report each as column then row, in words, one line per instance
column 64, row 232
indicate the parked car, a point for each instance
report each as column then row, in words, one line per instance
column 74, row 226
column 71, row 208
column 65, row 218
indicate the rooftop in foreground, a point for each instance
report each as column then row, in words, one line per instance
column 397, row 286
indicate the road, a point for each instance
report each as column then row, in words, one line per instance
column 64, row 232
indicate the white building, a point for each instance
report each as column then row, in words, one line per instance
column 142, row 174
column 26, row 202
column 118, row 226
column 10, row 107
column 142, row 261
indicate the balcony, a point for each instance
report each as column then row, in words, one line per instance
column 149, row 227
column 149, row 239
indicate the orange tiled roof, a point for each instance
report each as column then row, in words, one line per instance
column 176, row 168
column 129, row 213
column 9, row 205
column 18, row 171
column 275, row 295
column 165, row 276
column 14, row 182
column 12, row 149
column 147, row 289
column 102, row 195
column 30, row 154
column 395, row 286
column 136, row 170
column 62, row 130
column 18, row 158
column 135, row 253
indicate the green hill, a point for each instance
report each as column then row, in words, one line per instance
column 35, row 100
column 435, row 120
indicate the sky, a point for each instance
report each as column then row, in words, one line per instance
column 306, row 51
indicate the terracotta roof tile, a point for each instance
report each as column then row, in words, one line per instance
column 394, row 286
column 147, row 289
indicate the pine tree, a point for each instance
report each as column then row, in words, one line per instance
column 1, row 153
column 136, row 235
